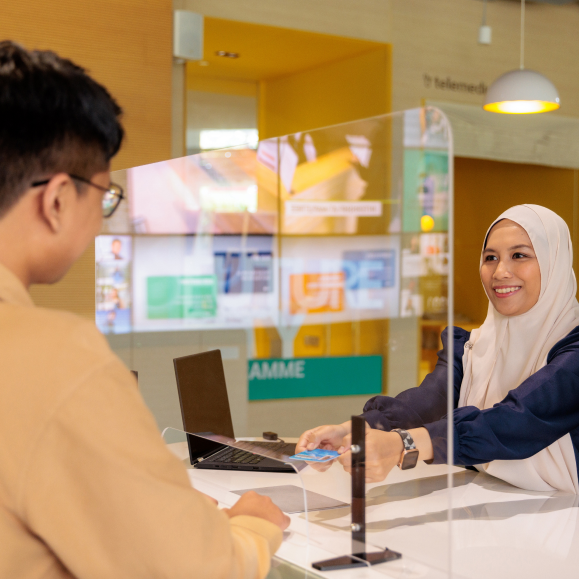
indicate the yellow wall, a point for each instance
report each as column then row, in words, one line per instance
column 218, row 85
column 127, row 46
column 482, row 191
column 347, row 90
column 341, row 91
column 307, row 80
column 266, row 52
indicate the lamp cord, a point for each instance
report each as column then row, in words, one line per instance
column 522, row 34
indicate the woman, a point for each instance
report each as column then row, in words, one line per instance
column 516, row 378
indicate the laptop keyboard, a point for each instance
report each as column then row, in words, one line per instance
column 231, row 455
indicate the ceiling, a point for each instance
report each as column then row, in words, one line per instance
column 267, row 52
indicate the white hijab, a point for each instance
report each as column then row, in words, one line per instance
column 505, row 350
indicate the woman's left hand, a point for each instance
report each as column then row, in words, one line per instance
column 383, row 452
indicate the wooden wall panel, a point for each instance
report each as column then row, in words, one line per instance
column 75, row 292
column 440, row 39
column 127, row 46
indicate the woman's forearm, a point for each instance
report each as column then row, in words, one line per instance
column 423, row 443
column 347, row 426
column 421, row 438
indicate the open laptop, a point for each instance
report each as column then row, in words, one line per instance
column 205, row 409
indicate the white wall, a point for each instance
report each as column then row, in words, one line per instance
column 208, row 110
column 365, row 19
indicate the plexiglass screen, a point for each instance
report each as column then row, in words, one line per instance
column 319, row 266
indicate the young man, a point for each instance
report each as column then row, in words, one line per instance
column 87, row 487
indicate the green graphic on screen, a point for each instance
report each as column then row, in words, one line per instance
column 181, row 297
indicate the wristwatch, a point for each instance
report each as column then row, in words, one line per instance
column 409, row 456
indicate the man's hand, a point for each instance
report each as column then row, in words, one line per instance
column 383, row 452
column 256, row 505
column 210, row 499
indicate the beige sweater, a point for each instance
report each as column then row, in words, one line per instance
column 87, row 487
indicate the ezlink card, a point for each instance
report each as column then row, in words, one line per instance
column 316, row 455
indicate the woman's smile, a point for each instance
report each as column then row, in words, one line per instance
column 506, row 292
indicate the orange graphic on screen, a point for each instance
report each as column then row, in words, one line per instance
column 316, row 292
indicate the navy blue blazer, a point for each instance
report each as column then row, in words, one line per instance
column 541, row 410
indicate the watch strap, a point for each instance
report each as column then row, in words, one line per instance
column 407, row 439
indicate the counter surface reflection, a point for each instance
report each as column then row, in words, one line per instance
column 497, row 530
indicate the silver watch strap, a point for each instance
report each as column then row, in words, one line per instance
column 407, row 440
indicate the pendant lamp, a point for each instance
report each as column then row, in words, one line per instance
column 522, row 91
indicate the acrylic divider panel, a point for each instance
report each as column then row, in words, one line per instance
column 319, row 265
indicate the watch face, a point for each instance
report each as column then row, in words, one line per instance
column 410, row 459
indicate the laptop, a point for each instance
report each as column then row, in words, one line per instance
column 205, row 410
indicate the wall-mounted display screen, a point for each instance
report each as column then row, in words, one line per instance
column 113, row 254
column 340, row 278
column 426, row 171
column 157, row 283
column 425, row 261
column 244, row 271
column 197, row 282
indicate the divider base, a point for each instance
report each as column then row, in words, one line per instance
column 349, row 561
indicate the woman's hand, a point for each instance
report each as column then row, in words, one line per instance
column 328, row 437
column 383, row 452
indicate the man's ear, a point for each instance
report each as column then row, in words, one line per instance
column 55, row 200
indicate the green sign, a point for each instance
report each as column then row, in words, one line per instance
column 272, row 379
column 181, row 296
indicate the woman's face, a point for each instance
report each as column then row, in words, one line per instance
column 510, row 270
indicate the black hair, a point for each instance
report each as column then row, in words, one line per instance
column 53, row 118
column 489, row 232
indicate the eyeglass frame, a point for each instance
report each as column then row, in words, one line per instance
column 120, row 195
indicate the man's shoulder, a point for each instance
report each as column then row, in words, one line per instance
column 47, row 356
column 51, row 333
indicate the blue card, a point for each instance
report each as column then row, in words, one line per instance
column 317, row 455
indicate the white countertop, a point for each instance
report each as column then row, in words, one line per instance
column 497, row 530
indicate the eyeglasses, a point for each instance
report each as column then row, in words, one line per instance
column 111, row 199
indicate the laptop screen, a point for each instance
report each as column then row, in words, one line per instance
column 203, row 394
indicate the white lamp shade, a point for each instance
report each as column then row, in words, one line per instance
column 522, row 91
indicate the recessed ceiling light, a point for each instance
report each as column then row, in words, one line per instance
column 226, row 54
